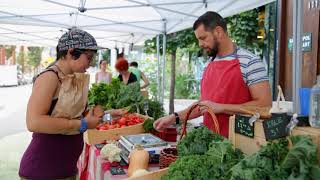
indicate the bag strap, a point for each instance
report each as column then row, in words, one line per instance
column 280, row 96
column 47, row 70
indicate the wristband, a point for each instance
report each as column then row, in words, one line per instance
column 177, row 117
column 84, row 125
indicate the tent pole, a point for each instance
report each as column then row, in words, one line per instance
column 164, row 47
column 297, row 53
column 159, row 68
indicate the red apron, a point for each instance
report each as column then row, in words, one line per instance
column 222, row 82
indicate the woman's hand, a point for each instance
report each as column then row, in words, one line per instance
column 92, row 119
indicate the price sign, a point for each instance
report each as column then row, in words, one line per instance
column 242, row 126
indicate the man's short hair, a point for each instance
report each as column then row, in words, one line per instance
column 210, row 20
column 134, row 64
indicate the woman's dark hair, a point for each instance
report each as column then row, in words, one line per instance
column 102, row 61
column 76, row 53
column 60, row 54
column 210, row 20
column 134, row 64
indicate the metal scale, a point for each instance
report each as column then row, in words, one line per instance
column 148, row 141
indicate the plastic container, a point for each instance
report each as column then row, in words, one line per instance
column 314, row 113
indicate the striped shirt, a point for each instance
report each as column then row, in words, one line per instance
column 252, row 68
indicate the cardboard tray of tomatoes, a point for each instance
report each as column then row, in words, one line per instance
column 125, row 125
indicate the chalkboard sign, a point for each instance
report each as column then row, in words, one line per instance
column 242, row 126
column 275, row 127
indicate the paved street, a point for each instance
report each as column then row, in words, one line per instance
column 13, row 105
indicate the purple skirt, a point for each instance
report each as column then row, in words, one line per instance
column 51, row 156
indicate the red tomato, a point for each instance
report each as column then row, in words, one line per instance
column 114, row 122
column 130, row 123
column 122, row 126
column 122, row 121
column 104, row 128
column 111, row 126
column 116, row 126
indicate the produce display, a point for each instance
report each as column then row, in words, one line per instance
column 116, row 95
column 215, row 158
column 124, row 121
column 277, row 161
column 197, row 142
column 203, row 155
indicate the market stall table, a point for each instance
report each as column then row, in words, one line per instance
column 93, row 167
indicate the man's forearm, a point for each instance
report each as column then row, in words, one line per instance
column 238, row 108
column 194, row 114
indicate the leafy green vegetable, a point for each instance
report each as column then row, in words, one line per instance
column 275, row 161
column 301, row 161
column 117, row 95
column 214, row 164
column 197, row 142
column 261, row 164
column 191, row 167
column 148, row 125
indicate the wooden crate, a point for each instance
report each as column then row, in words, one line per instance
column 155, row 175
column 94, row 136
column 252, row 145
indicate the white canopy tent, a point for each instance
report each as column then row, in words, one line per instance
column 115, row 23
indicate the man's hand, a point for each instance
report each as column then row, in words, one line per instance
column 164, row 122
column 117, row 112
column 215, row 107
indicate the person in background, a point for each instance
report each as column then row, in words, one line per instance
column 103, row 76
column 125, row 76
column 234, row 78
column 139, row 74
column 52, row 154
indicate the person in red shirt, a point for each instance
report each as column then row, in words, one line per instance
column 234, row 77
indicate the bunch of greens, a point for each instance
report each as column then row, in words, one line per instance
column 148, row 125
column 214, row 163
column 197, row 142
column 104, row 94
column 116, row 95
column 276, row 161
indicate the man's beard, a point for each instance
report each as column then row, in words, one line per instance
column 214, row 51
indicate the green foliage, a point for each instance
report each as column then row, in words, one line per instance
column 106, row 55
column 197, row 142
column 214, row 164
column 148, row 125
column 243, row 29
column 21, row 60
column 193, row 167
column 184, row 39
column 34, row 56
column 276, row 161
column 116, row 95
column 184, row 87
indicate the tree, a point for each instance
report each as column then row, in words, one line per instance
column 34, row 56
column 243, row 29
column 10, row 52
column 184, row 40
column 21, row 58
column 106, row 55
